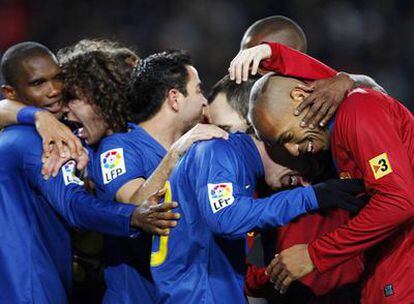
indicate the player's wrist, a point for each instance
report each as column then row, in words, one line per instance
column 350, row 82
column 28, row 115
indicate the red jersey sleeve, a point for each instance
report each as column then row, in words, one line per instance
column 256, row 281
column 293, row 63
column 368, row 130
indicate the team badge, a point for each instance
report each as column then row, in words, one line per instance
column 380, row 165
column 220, row 196
column 112, row 164
column 69, row 174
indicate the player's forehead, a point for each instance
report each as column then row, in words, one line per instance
column 39, row 66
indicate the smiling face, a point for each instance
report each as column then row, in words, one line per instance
column 40, row 83
column 286, row 133
column 272, row 116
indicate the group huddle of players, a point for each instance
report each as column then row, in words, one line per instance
column 320, row 163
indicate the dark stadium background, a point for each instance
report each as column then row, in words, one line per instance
column 374, row 37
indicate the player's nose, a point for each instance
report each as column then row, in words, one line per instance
column 292, row 148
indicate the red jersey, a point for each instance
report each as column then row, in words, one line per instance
column 373, row 139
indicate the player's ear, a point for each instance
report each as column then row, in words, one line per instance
column 298, row 95
column 9, row 92
column 172, row 99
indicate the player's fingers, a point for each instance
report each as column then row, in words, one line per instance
column 246, row 68
column 304, row 104
column 238, row 73
column 79, row 146
column 255, row 66
column 233, row 65
column 318, row 116
column 167, row 215
column 307, row 87
column 47, row 167
column 275, row 271
column 60, row 148
column 327, row 117
column 280, row 278
column 164, row 207
column 73, row 152
column 272, row 264
column 163, row 224
column 47, row 147
column 285, row 285
column 82, row 161
column 310, row 113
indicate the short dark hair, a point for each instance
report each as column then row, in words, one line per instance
column 12, row 58
column 98, row 77
column 152, row 80
column 237, row 95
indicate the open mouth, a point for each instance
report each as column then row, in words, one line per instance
column 76, row 127
column 291, row 180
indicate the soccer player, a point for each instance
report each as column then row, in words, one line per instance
column 229, row 103
column 103, row 113
column 166, row 97
column 371, row 137
column 204, row 256
column 35, row 252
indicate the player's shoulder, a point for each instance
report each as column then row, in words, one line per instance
column 220, row 145
column 363, row 100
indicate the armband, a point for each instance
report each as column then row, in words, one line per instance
column 27, row 115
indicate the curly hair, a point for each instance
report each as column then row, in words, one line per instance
column 98, row 77
column 152, row 80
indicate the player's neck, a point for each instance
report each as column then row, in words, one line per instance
column 163, row 129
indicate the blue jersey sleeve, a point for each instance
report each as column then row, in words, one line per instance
column 115, row 164
column 68, row 197
column 224, row 202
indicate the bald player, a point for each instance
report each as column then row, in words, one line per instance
column 326, row 94
column 371, row 136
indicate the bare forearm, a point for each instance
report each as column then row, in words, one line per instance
column 8, row 111
column 157, row 179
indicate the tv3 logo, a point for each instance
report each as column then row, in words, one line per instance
column 380, row 165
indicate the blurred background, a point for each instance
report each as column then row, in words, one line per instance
column 373, row 37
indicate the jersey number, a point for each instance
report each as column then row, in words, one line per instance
column 158, row 257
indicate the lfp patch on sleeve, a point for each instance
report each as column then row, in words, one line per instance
column 112, row 164
column 380, row 165
column 69, row 174
column 220, row 195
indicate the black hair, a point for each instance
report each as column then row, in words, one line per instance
column 237, row 95
column 155, row 76
column 13, row 57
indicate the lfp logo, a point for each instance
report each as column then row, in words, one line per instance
column 220, row 195
column 69, row 173
column 112, row 164
column 112, row 159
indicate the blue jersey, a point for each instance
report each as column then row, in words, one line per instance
column 35, row 215
column 203, row 258
column 120, row 158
